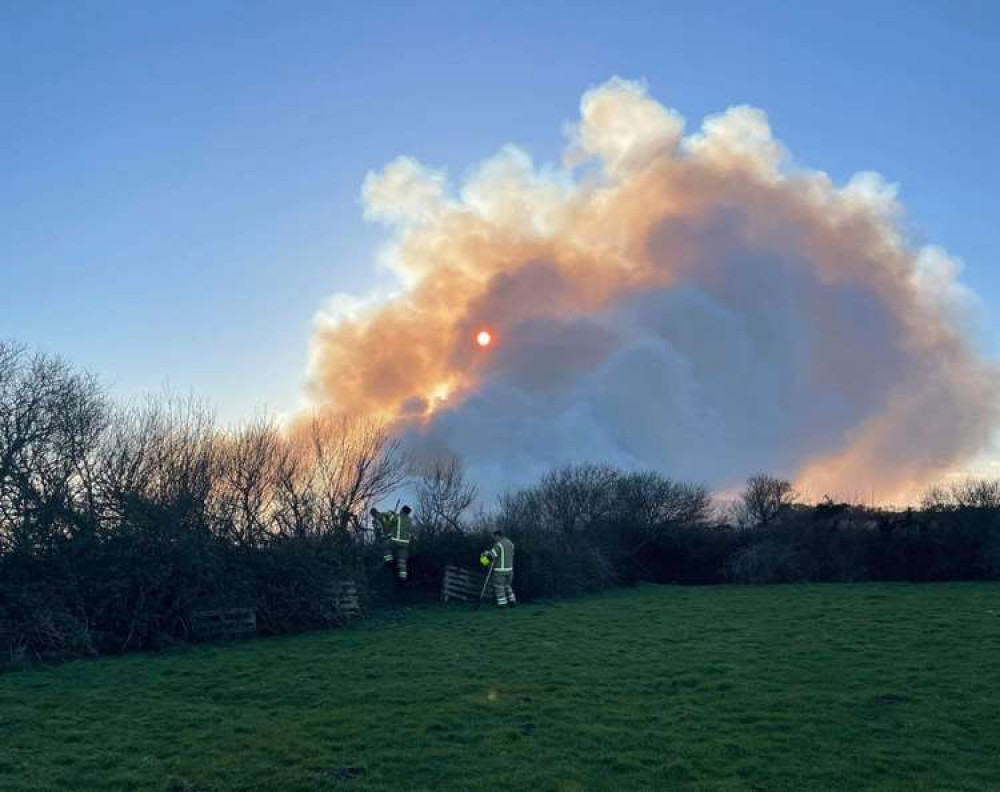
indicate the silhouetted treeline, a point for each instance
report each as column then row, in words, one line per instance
column 116, row 525
column 590, row 527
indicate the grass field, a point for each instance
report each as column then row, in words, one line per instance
column 840, row 687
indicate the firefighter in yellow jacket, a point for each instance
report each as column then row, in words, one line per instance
column 501, row 556
column 396, row 530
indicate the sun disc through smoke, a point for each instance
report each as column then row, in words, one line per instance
column 484, row 338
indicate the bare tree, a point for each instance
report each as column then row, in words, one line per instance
column 352, row 462
column 126, row 470
column 444, row 494
column 576, row 496
column 936, row 498
column 185, row 456
column 51, row 418
column 250, row 463
column 164, row 454
column 296, row 498
column 969, row 493
column 764, row 499
column 652, row 500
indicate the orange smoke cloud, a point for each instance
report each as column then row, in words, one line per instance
column 692, row 304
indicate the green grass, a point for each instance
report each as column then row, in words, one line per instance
column 849, row 687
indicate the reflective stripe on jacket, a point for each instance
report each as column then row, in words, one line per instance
column 402, row 534
column 502, row 554
column 397, row 526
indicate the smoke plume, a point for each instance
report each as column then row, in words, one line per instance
column 694, row 304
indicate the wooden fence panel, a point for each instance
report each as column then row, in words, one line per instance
column 346, row 603
column 461, row 584
column 224, row 623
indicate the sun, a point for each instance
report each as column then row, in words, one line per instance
column 484, row 338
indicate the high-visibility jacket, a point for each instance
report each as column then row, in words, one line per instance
column 397, row 526
column 402, row 529
column 502, row 554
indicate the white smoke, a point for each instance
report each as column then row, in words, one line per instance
column 694, row 305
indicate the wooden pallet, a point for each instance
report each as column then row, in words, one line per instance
column 346, row 604
column 224, row 624
column 461, row 584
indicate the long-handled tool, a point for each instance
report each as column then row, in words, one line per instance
column 489, row 574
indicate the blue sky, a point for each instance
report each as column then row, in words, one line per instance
column 179, row 181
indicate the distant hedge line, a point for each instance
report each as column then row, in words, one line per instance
column 116, row 525
column 580, row 529
column 591, row 527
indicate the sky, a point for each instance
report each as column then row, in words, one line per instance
column 180, row 182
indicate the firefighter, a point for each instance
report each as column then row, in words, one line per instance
column 396, row 528
column 501, row 555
